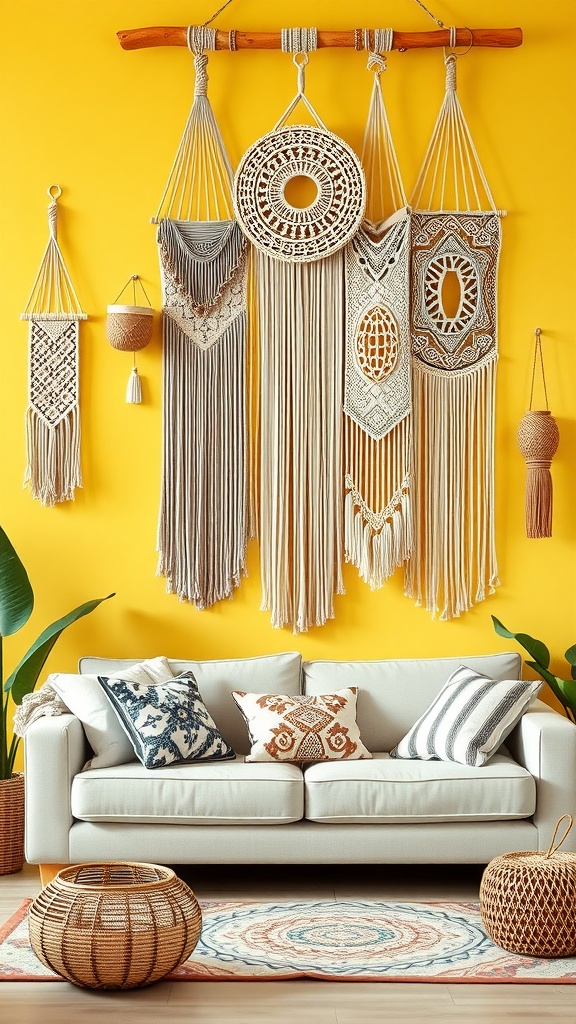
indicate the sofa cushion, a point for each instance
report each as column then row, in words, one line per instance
column 211, row 793
column 86, row 699
column 273, row 673
column 286, row 728
column 387, row 790
column 166, row 722
column 469, row 719
column 393, row 694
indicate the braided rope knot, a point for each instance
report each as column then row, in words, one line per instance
column 201, row 70
column 376, row 63
column 450, row 73
column 53, row 217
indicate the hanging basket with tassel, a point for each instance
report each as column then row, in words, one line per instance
column 129, row 328
column 538, row 438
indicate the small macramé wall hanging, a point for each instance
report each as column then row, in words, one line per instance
column 377, row 389
column 203, row 520
column 455, row 253
column 300, row 285
column 53, row 312
column 129, row 328
column 538, row 439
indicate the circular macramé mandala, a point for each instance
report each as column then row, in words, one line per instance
column 289, row 233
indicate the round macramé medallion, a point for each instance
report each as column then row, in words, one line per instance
column 271, row 222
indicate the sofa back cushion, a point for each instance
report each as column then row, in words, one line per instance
column 393, row 694
column 273, row 673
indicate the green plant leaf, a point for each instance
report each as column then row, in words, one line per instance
column 568, row 688
column 16, row 596
column 25, row 676
column 550, row 679
column 571, row 659
column 535, row 648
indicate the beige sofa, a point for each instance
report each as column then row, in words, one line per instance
column 381, row 810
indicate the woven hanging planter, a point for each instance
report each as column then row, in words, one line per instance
column 12, row 824
column 129, row 328
column 528, row 901
column 114, row 926
column 538, row 438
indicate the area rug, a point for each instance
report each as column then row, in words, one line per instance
column 351, row 940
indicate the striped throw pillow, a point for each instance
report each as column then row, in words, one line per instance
column 469, row 719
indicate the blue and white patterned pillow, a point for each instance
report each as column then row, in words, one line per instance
column 166, row 722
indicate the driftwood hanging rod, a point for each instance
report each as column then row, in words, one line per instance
column 141, row 38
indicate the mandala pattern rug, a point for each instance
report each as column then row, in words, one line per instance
column 352, row 940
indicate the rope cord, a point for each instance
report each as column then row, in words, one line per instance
column 216, row 13
column 132, row 279
column 538, row 351
column 53, row 293
column 451, row 176
column 385, row 187
column 430, row 15
column 299, row 40
column 300, row 59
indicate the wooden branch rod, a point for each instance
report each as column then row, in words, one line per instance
column 141, row 38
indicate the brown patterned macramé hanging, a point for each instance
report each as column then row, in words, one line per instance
column 53, row 313
column 455, row 244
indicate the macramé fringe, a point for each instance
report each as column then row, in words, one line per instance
column 53, row 457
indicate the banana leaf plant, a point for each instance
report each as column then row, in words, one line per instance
column 563, row 689
column 16, row 604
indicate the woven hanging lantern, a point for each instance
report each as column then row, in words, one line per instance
column 129, row 328
column 538, row 438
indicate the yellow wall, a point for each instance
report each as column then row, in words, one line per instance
column 104, row 124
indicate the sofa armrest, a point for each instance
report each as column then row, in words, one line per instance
column 55, row 749
column 544, row 742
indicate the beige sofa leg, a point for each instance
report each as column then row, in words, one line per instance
column 48, row 872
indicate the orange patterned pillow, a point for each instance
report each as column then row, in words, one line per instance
column 284, row 728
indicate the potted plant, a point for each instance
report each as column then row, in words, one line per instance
column 563, row 689
column 16, row 604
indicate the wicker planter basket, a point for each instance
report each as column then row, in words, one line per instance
column 528, row 901
column 12, row 824
column 129, row 328
column 115, row 926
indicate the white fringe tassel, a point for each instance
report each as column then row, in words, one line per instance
column 134, row 389
column 301, row 309
column 378, row 528
column 454, row 562
column 53, row 457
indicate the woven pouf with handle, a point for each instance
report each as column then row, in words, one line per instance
column 114, row 926
column 528, row 900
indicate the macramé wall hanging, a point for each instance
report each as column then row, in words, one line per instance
column 53, row 312
column 377, row 401
column 455, row 255
column 538, row 439
column 300, row 283
column 129, row 329
column 203, row 523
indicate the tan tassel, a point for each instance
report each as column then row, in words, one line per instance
column 538, row 438
column 134, row 389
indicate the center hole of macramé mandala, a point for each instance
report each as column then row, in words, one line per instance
column 301, row 191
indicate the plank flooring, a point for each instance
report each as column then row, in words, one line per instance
column 305, row 1002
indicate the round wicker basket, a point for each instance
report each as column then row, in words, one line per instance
column 114, row 926
column 528, row 901
column 129, row 328
column 12, row 824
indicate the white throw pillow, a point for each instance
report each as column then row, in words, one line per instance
column 469, row 719
column 302, row 729
column 86, row 699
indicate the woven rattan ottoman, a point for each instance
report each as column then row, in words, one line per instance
column 528, row 901
column 114, row 926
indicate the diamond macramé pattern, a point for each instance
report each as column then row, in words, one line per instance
column 528, row 903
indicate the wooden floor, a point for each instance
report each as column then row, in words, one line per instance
column 291, row 1002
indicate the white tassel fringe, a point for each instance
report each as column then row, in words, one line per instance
column 134, row 389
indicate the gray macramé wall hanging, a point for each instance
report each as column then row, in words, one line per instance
column 203, row 521
column 53, row 312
